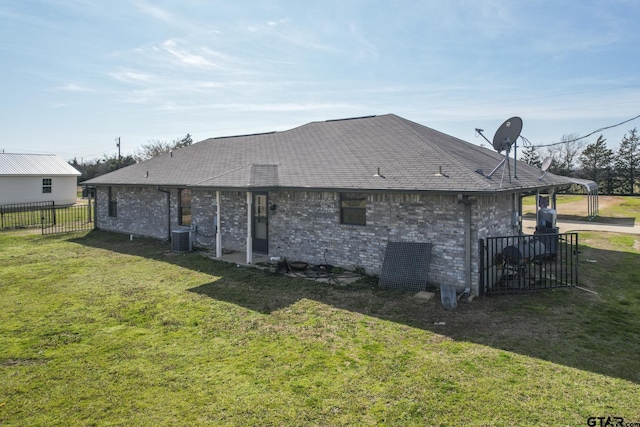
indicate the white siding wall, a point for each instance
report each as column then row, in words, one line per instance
column 28, row 189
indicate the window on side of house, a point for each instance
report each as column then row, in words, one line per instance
column 113, row 202
column 184, row 206
column 353, row 209
column 46, row 185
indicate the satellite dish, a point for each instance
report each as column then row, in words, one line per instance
column 546, row 163
column 507, row 134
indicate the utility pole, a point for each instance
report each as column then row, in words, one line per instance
column 118, row 145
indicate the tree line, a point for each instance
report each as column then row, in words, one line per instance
column 108, row 164
column 615, row 172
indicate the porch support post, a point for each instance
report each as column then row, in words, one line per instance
column 249, row 239
column 537, row 207
column 218, row 233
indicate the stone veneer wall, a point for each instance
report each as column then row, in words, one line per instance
column 306, row 226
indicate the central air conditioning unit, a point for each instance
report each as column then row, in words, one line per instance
column 181, row 241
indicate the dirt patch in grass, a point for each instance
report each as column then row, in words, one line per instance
column 22, row 362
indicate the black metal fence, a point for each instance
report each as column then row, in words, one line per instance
column 51, row 218
column 526, row 263
column 23, row 215
column 69, row 219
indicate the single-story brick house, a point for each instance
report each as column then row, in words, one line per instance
column 32, row 178
column 335, row 191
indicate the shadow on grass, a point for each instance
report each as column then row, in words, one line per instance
column 598, row 333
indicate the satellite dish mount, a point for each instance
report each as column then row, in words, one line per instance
column 505, row 137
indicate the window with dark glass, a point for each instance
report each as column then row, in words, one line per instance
column 184, row 206
column 113, row 202
column 353, row 209
column 46, row 185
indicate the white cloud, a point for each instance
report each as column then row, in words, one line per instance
column 285, row 107
column 286, row 31
column 188, row 58
column 559, row 42
column 74, row 87
column 365, row 49
column 277, row 22
column 155, row 11
column 132, row 77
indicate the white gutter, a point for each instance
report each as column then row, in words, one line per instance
column 249, row 239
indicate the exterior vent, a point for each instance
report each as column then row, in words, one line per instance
column 181, row 241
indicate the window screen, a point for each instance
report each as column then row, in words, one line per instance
column 46, row 185
column 184, row 206
column 353, row 209
column 113, row 202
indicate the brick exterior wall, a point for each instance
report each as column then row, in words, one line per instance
column 141, row 211
column 306, row 226
column 491, row 217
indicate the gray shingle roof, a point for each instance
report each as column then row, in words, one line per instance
column 336, row 154
column 12, row 164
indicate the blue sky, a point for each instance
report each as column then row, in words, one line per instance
column 77, row 74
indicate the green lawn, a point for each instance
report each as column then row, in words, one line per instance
column 98, row 330
column 575, row 207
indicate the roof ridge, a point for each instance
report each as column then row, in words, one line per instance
column 351, row 118
column 245, row 135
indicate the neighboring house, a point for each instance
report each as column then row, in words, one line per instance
column 29, row 178
column 328, row 192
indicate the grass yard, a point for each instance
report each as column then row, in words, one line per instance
column 98, row 330
column 612, row 209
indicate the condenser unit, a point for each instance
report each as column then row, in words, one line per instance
column 181, row 241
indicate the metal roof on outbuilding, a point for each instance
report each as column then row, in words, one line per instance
column 336, row 155
column 14, row 164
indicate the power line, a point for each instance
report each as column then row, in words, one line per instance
column 588, row 135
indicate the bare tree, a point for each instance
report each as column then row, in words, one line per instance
column 155, row 147
column 565, row 154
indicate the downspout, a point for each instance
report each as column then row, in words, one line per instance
column 537, row 208
column 467, row 244
column 168, row 193
column 249, row 233
column 467, row 240
column 218, row 232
